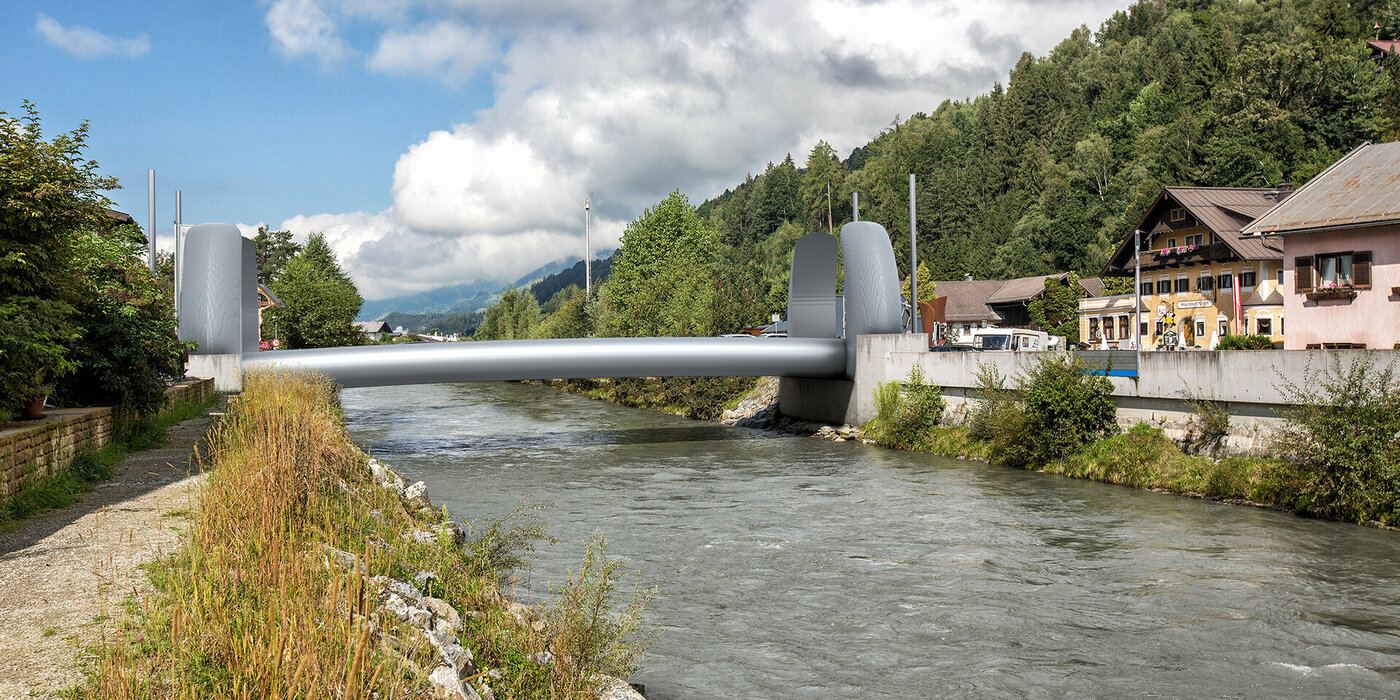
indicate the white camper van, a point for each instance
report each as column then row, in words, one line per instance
column 1012, row 339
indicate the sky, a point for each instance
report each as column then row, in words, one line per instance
column 439, row 142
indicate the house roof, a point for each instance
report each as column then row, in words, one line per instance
column 373, row 327
column 1361, row 189
column 1223, row 210
column 1386, row 45
column 967, row 299
column 971, row 300
column 1027, row 288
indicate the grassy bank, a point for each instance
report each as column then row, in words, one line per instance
column 705, row 398
column 92, row 467
column 310, row 571
column 1337, row 454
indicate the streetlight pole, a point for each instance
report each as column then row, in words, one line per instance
column 151, row 218
column 587, row 254
column 1137, row 288
column 913, row 262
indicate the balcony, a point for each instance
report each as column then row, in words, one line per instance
column 1185, row 255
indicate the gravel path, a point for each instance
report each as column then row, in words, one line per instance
column 64, row 574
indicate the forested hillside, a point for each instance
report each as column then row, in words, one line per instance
column 1050, row 171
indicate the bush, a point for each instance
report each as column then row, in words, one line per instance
column 1061, row 407
column 1245, row 342
column 1342, row 431
column 1210, row 423
column 128, row 346
column 905, row 412
column 994, row 402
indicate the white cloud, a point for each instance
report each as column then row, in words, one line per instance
column 303, row 28
column 625, row 101
column 451, row 51
column 83, row 42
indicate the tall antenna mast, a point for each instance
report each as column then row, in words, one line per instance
column 587, row 254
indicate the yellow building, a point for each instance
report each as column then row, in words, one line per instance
column 1194, row 265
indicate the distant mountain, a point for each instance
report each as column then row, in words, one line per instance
column 549, row 286
column 459, row 298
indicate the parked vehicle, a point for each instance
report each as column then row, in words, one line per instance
column 1013, row 339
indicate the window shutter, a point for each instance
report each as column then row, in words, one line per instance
column 1303, row 274
column 1361, row 269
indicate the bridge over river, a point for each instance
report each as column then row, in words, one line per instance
column 218, row 310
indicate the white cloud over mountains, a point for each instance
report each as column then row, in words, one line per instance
column 83, row 42
column 627, row 101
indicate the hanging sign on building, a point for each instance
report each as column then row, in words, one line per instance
column 1193, row 304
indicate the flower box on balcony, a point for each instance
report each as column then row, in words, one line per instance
column 1332, row 293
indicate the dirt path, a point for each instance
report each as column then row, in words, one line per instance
column 64, row 574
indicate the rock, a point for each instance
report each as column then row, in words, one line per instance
column 487, row 693
column 444, row 612
column 453, row 653
column 420, row 536
column 423, row 578
column 522, row 613
column 617, row 689
column 416, row 492
column 459, row 536
column 338, row 557
column 446, row 685
column 402, row 601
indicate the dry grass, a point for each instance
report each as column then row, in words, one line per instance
column 249, row 608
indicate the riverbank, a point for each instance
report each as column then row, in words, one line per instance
column 312, row 570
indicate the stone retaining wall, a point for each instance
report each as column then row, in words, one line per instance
column 33, row 450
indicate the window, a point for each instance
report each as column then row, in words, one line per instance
column 1093, row 328
column 1224, row 328
column 1183, row 285
column 1142, row 328
column 1280, row 325
column 1205, row 284
column 1263, row 325
column 1178, row 214
column 1200, row 327
column 1194, row 239
column 1108, row 329
column 1123, row 327
column 1226, row 280
column 1247, row 280
column 1159, row 328
column 1278, row 277
column 1145, row 289
column 1341, row 269
column 1171, row 242
column 1164, row 287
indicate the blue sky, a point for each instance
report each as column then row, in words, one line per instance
column 443, row 141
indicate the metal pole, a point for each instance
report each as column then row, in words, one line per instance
column 587, row 254
column 913, row 261
column 151, row 219
column 1137, row 288
column 855, row 206
column 175, row 266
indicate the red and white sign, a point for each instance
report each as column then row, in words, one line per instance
column 1239, row 312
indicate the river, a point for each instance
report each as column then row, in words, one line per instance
column 789, row 567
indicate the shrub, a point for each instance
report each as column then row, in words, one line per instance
column 1342, row 430
column 128, row 346
column 994, row 399
column 1210, row 423
column 1245, row 342
column 905, row 412
column 1062, row 406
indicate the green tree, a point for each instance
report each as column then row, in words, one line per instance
column 273, row 251
column 48, row 193
column 665, row 274
column 1057, row 310
column 514, row 317
column 320, row 301
column 128, row 347
column 927, row 287
column 569, row 317
column 822, row 186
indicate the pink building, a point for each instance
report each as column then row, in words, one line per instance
column 1340, row 235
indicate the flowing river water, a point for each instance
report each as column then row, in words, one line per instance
column 791, row 567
